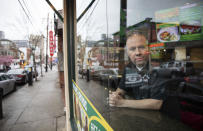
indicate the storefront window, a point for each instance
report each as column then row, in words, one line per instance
column 140, row 64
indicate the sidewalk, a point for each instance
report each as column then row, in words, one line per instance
column 35, row 108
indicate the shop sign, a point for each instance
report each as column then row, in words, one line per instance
column 167, row 15
column 51, row 43
column 86, row 115
column 191, row 21
column 188, row 23
column 156, row 46
column 168, row 32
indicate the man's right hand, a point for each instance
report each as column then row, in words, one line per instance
column 115, row 99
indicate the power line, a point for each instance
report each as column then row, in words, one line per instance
column 27, row 16
column 83, row 13
column 25, row 11
column 84, row 18
column 27, row 7
column 91, row 13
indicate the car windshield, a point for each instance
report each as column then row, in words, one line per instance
column 19, row 71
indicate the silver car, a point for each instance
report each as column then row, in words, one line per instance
column 7, row 83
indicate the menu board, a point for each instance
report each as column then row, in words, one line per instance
column 180, row 24
column 167, row 32
column 191, row 21
column 86, row 115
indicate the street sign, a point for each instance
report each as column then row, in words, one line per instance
column 51, row 43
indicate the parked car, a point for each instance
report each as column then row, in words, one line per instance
column 7, row 83
column 111, row 77
column 20, row 75
column 174, row 69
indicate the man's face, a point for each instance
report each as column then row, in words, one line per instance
column 137, row 50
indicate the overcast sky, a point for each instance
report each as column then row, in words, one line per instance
column 17, row 24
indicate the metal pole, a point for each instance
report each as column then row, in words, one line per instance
column 41, row 63
column 47, row 43
column 51, row 62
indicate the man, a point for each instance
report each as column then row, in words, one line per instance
column 136, row 79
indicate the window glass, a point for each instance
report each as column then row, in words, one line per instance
column 6, row 77
column 143, row 55
column 3, row 77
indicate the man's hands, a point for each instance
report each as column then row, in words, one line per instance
column 115, row 99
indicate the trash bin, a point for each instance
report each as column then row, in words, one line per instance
column 1, row 98
column 30, row 77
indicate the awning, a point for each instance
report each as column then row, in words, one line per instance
column 6, row 60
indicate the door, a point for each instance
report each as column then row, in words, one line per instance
column 4, row 83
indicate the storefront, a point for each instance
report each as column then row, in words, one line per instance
column 143, row 62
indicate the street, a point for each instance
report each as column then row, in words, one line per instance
column 97, row 92
column 39, row 107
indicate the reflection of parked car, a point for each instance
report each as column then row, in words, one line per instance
column 82, row 70
column 20, row 75
column 94, row 71
column 7, row 83
column 95, row 75
column 174, row 69
column 110, row 77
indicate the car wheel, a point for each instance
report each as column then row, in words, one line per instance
column 15, row 88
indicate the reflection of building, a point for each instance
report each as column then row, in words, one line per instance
column 98, row 56
column 169, row 50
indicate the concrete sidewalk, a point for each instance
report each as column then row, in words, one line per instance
column 35, row 108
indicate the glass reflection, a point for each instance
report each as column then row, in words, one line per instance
column 160, row 64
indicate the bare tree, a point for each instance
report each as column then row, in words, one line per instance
column 34, row 43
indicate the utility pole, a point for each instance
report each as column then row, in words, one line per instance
column 122, row 33
column 51, row 55
column 47, row 43
column 41, row 62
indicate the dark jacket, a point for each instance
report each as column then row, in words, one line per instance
column 141, row 84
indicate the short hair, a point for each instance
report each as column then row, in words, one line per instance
column 137, row 32
column 130, row 34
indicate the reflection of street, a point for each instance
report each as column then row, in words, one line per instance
column 125, row 118
column 97, row 92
